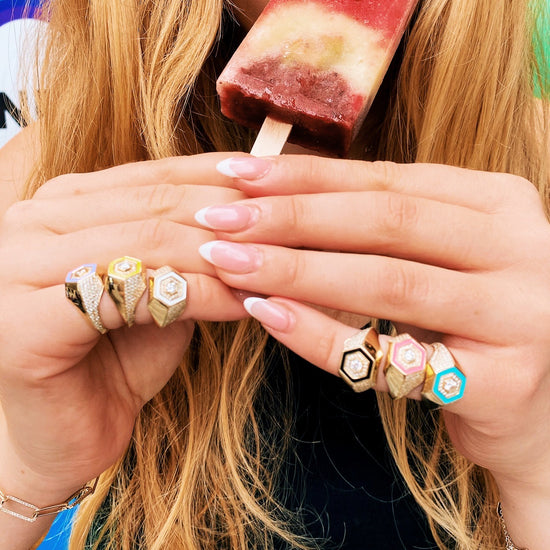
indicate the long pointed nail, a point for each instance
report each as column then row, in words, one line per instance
column 248, row 168
column 268, row 313
column 227, row 217
column 233, row 257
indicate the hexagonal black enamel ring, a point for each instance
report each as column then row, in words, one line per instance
column 167, row 295
column 360, row 360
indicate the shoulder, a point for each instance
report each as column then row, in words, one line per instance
column 17, row 158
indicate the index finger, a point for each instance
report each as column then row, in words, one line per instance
column 195, row 169
column 303, row 174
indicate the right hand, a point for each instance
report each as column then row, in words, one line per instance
column 69, row 396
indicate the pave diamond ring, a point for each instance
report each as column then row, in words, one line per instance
column 360, row 359
column 167, row 295
column 405, row 366
column 444, row 381
column 84, row 288
column 125, row 283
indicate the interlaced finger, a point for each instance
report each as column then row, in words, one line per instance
column 375, row 222
column 296, row 174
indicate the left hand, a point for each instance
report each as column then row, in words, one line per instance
column 447, row 254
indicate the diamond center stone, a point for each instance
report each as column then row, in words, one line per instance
column 450, row 385
column 171, row 288
column 124, row 267
column 82, row 272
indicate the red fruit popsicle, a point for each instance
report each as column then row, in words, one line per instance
column 315, row 65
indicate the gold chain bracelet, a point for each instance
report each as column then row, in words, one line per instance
column 29, row 512
column 507, row 538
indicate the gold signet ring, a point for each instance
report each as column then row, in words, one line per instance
column 125, row 283
column 167, row 295
column 84, row 288
column 445, row 382
column 360, row 359
column 406, row 365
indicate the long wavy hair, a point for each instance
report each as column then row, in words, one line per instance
column 134, row 80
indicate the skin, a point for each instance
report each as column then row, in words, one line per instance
column 449, row 255
column 432, row 248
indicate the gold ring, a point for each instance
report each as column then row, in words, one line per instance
column 360, row 359
column 445, row 382
column 406, row 365
column 125, row 284
column 167, row 295
column 84, row 288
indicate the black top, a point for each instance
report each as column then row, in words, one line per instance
column 342, row 479
column 349, row 486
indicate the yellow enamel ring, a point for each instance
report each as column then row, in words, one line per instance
column 125, row 283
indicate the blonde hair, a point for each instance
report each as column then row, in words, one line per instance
column 133, row 80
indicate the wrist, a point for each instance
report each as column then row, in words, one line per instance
column 19, row 480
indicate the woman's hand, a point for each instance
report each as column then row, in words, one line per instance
column 69, row 396
column 449, row 255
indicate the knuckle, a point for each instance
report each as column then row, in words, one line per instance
column 162, row 198
column 295, row 214
column 203, row 292
column 162, row 171
column 329, row 349
column 398, row 285
column 296, row 270
column 309, row 168
column 385, row 173
column 529, row 383
column 18, row 215
column 511, row 190
column 69, row 182
column 399, row 215
column 153, row 234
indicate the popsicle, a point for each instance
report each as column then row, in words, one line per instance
column 314, row 65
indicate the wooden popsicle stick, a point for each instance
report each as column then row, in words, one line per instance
column 271, row 138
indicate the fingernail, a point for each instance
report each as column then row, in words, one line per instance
column 248, row 168
column 234, row 257
column 227, row 217
column 269, row 314
column 242, row 295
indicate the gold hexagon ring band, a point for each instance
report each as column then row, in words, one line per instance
column 125, row 283
column 167, row 295
column 84, row 288
column 360, row 360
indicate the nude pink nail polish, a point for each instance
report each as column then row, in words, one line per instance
column 248, row 168
column 233, row 257
column 226, row 217
column 268, row 313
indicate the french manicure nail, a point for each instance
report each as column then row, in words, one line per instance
column 268, row 313
column 227, row 217
column 234, row 257
column 248, row 168
column 242, row 295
